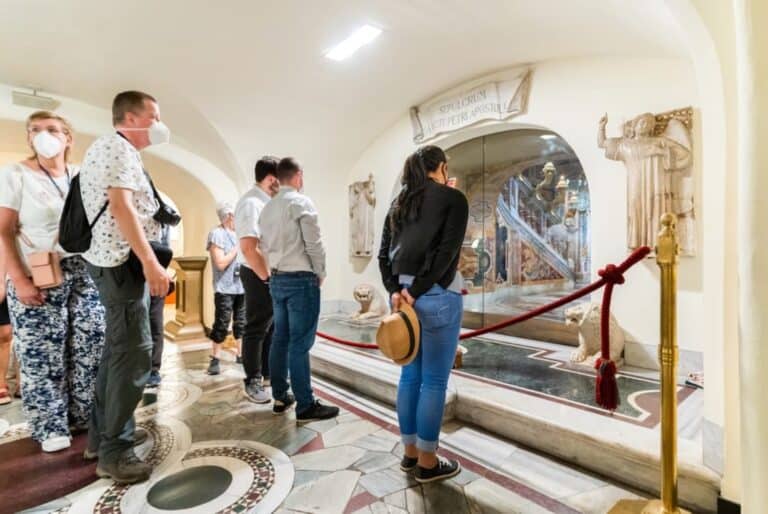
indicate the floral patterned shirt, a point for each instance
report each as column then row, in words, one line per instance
column 111, row 161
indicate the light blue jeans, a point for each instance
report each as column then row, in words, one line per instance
column 423, row 382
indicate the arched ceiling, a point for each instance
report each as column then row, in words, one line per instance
column 240, row 78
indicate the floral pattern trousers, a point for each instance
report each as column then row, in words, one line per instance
column 59, row 348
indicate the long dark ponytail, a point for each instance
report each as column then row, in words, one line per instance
column 416, row 171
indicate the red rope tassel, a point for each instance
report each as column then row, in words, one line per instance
column 606, row 388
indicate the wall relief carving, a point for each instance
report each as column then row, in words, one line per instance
column 657, row 151
column 502, row 98
column 362, row 203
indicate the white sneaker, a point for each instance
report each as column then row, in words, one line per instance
column 56, row 443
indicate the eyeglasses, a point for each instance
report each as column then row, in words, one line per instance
column 54, row 131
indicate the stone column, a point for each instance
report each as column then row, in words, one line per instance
column 188, row 323
column 752, row 177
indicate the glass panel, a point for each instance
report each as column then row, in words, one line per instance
column 527, row 240
column 465, row 164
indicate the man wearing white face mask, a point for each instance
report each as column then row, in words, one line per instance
column 118, row 198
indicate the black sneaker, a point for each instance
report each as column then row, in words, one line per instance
column 281, row 406
column 316, row 412
column 213, row 366
column 445, row 469
column 408, row 464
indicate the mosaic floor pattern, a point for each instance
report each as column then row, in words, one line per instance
column 214, row 451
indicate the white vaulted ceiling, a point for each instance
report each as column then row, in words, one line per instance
column 240, row 78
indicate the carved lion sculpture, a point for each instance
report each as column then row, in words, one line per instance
column 587, row 317
column 372, row 303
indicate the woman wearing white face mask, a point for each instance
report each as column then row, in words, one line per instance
column 57, row 319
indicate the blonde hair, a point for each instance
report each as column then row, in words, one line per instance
column 48, row 115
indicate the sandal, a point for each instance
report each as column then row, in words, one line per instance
column 5, row 397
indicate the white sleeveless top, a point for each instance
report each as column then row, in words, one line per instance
column 38, row 203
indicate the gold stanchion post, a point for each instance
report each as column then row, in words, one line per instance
column 666, row 257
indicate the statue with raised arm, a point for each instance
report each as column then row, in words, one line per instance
column 657, row 152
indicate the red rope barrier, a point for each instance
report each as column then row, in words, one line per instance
column 609, row 276
column 346, row 342
column 606, row 393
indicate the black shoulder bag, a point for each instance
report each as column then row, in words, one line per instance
column 165, row 215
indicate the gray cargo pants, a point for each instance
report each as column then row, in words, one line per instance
column 125, row 363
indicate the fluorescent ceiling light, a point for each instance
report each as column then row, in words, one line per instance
column 353, row 43
column 548, row 136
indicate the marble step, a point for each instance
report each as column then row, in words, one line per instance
column 373, row 378
column 622, row 451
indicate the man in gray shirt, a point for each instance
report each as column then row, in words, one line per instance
column 290, row 239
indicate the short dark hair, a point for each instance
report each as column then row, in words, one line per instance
column 287, row 168
column 128, row 101
column 265, row 167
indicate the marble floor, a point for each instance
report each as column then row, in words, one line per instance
column 214, row 451
column 540, row 369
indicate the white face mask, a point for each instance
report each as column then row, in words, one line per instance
column 46, row 145
column 159, row 133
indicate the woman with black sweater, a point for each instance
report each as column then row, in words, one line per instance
column 418, row 259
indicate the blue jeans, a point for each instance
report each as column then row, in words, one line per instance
column 421, row 393
column 296, row 305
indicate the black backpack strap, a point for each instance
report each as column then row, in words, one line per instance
column 160, row 201
column 101, row 211
column 104, row 207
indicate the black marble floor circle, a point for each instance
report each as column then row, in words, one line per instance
column 189, row 488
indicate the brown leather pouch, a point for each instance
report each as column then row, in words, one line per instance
column 46, row 269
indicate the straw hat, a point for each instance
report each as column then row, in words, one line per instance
column 399, row 335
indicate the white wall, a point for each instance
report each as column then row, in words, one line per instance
column 569, row 97
column 89, row 120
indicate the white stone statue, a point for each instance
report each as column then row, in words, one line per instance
column 362, row 201
column 657, row 152
column 545, row 190
column 587, row 317
column 373, row 306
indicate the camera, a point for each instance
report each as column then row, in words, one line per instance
column 167, row 215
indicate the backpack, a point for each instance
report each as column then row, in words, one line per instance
column 74, row 229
